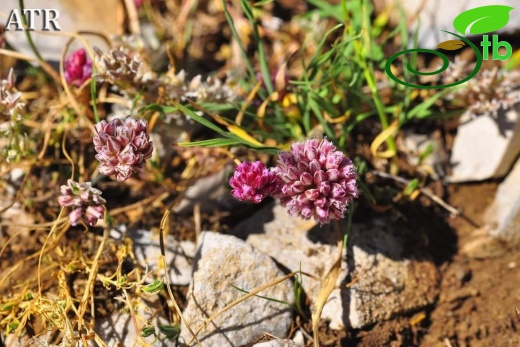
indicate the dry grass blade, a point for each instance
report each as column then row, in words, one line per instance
column 133, row 17
column 327, row 285
column 247, row 102
column 164, row 228
column 89, row 287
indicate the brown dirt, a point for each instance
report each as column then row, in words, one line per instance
column 479, row 300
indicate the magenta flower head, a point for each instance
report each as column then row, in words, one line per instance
column 122, row 146
column 78, row 68
column 83, row 202
column 253, row 182
column 316, row 181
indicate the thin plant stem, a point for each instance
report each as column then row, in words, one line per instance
column 27, row 32
column 93, row 93
column 236, row 36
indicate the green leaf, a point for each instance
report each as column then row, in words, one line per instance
column 262, row 3
column 154, row 287
column 427, row 151
column 326, row 9
column 187, row 112
column 171, row 332
column 260, row 296
column 12, row 326
column 7, row 306
column 211, row 143
column 411, row 187
column 230, row 138
column 423, row 109
column 481, row 20
column 148, row 331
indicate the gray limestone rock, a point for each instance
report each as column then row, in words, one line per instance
column 389, row 282
column 222, row 262
column 384, row 281
column 485, row 147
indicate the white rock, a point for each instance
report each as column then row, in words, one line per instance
column 223, row 261
column 299, row 338
column 16, row 175
column 485, row 147
column 376, row 255
column 437, row 15
column 19, row 222
column 501, row 232
column 13, row 340
column 74, row 15
column 179, row 255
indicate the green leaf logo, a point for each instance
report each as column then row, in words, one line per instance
column 481, row 20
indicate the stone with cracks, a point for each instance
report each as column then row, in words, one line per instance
column 384, row 280
column 224, row 263
column 376, row 260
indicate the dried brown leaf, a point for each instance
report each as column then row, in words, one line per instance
column 451, row 45
column 327, row 286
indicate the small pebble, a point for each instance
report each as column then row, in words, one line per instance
column 17, row 175
column 511, row 265
column 298, row 338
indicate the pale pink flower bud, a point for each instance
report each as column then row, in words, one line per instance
column 9, row 96
column 75, row 216
column 122, row 146
column 82, row 201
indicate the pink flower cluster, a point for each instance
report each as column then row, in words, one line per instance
column 78, row 68
column 83, row 202
column 122, row 146
column 253, row 182
column 313, row 179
